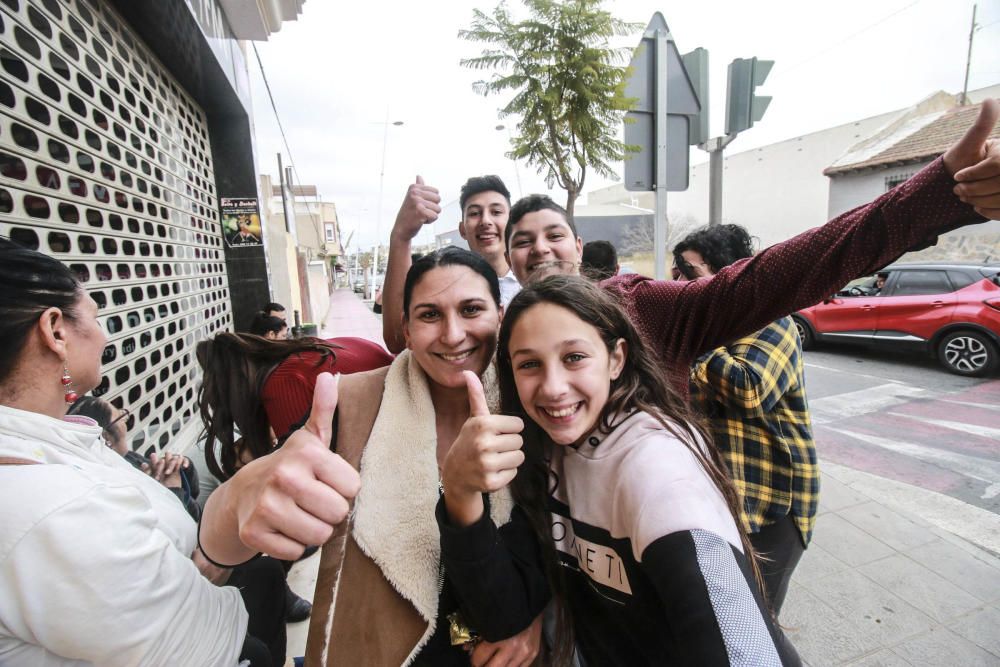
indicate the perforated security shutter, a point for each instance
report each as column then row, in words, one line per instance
column 105, row 164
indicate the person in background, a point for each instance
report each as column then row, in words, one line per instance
column 599, row 261
column 269, row 327
column 880, row 279
column 485, row 204
column 753, row 393
column 274, row 309
column 377, row 305
column 174, row 471
column 262, row 388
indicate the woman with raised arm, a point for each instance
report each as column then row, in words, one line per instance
column 395, row 599
column 95, row 556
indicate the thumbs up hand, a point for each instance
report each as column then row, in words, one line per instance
column 484, row 457
column 974, row 162
column 421, row 206
column 293, row 498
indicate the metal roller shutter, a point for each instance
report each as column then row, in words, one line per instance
column 105, row 164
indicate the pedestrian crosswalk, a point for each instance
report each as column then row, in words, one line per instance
column 863, row 401
column 945, row 441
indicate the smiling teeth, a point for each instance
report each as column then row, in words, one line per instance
column 565, row 412
column 544, row 265
column 456, row 357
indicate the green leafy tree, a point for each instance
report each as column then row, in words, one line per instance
column 568, row 85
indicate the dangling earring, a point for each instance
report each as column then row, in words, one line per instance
column 67, row 383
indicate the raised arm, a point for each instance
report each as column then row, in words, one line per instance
column 685, row 320
column 283, row 502
column 497, row 574
column 421, row 206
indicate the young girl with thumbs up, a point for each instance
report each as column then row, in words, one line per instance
column 634, row 510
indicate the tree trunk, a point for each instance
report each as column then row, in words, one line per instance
column 571, row 196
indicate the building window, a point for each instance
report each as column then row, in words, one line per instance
column 330, row 235
column 893, row 181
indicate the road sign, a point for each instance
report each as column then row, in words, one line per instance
column 743, row 108
column 659, row 125
column 696, row 64
column 640, row 126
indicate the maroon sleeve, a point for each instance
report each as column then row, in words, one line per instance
column 683, row 320
column 287, row 393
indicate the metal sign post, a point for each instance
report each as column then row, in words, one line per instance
column 660, row 219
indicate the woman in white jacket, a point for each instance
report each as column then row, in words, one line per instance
column 95, row 557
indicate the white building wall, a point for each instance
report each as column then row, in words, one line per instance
column 776, row 191
column 850, row 190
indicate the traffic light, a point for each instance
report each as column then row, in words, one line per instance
column 743, row 108
column 696, row 64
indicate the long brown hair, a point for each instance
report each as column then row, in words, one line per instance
column 642, row 385
column 234, row 368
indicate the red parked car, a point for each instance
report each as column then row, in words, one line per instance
column 951, row 311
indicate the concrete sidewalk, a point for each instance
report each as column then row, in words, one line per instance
column 895, row 575
column 887, row 581
column 350, row 316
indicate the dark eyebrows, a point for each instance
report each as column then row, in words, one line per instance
column 435, row 306
column 565, row 343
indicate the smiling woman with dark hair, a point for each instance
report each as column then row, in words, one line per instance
column 409, row 429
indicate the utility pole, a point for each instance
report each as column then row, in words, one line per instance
column 968, row 61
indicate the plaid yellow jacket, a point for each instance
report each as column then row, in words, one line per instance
column 753, row 392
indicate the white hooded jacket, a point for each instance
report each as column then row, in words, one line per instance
column 95, row 563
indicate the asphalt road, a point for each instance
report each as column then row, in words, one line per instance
column 906, row 418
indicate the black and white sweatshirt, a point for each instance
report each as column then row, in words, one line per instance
column 655, row 567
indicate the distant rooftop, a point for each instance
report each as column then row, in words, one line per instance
column 917, row 140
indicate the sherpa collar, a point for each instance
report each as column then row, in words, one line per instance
column 394, row 522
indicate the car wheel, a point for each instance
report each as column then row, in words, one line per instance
column 968, row 353
column 805, row 333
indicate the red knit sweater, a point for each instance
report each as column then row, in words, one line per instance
column 287, row 393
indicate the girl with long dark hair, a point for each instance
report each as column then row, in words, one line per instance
column 262, row 388
column 636, row 514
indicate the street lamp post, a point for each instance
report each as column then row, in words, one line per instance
column 381, row 188
column 517, row 170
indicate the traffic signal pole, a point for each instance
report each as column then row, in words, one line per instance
column 715, row 147
column 743, row 109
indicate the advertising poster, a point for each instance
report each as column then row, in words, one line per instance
column 240, row 222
